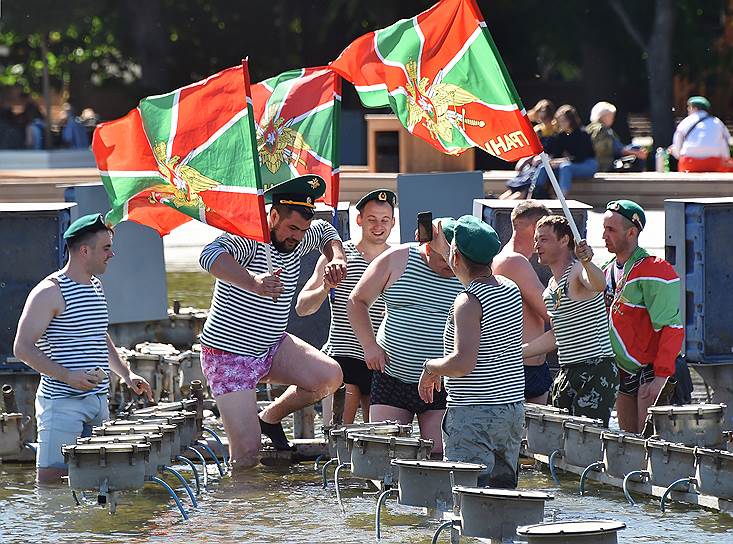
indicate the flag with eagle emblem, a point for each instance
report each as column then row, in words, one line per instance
column 442, row 75
column 188, row 154
column 297, row 120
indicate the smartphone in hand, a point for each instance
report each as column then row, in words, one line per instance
column 424, row 227
column 97, row 375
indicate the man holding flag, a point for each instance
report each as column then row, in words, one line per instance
column 244, row 339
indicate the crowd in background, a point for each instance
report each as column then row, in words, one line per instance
column 701, row 144
column 27, row 128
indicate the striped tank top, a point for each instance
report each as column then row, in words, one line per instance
column 417, row 309
column 581, row 326
column 342, row 341
column 77, row 337
column 240, row 321
column 498, row 377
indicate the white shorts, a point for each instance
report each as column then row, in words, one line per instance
column 62, row 421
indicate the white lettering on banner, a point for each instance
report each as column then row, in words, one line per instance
column 506, row 142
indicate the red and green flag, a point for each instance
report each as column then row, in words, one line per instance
column 188, row 154
column 442, row 75
column 297, row 118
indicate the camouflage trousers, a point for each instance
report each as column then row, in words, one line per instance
column 587, row 389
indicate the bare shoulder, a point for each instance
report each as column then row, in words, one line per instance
column 514, row 266
column 506, row 261
column 47, row 294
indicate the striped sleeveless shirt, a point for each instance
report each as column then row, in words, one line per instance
column 242, row 322
column 342, row 341
column 581, row 326
column 498, row 377
column 77, row 337
column 417, row 308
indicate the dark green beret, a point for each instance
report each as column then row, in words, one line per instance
column 86, row 223
column 699, row 102
column 380, row 195
column 300, row 191
column 630, row 210
column 448, row 224
column 476, row 240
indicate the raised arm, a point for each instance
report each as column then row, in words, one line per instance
column 314, row 292
column 43, row 303
column 591, row 278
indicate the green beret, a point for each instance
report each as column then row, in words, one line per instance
column 448, row 224
column 380, row 195
column 630, row 210
column 476, row 240
column 85, row 223
column 300, row 191
column 699, row 102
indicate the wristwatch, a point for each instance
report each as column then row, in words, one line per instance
column 426, row 369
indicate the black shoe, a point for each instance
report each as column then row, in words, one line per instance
column 276, row 434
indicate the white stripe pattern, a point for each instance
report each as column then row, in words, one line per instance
column 342, row 341
column 77, row 337
column 244, row 323
column 581, row 326
column 498, row 377
column 417, row 309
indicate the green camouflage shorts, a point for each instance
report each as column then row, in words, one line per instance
column 587, row 389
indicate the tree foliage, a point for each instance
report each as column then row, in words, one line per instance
column 577, row 49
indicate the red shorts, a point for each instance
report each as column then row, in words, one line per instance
column 706, row 164
column 228, row 372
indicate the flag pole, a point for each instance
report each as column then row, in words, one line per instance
column 555, row 185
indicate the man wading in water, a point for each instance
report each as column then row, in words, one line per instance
column 244, row 339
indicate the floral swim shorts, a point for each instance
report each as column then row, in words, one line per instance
column 228, row 372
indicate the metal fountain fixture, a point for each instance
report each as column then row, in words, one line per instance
column 572, row 532
column 691, row 424
column 491, row 513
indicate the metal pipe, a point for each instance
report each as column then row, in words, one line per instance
column 183, row 481
column 182, row 459
column 551, row 464
column 203, row 462
column 221, row 444
column 11, row 406
column 172, row 494
column 336, row 483
column 440, row 529
column 643, row 473
column 586, row 471
column 315, row 463
column 689, row 481
column 380, row 501
column 76, row 499
column 323, row 471
column 204, row 445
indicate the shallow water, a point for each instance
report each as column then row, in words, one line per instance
column 272, row 505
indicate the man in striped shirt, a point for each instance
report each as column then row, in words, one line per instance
column 62, row 334
column 244, row 340
column 482, row 361
column 418, row 288
column 376, row 219
column 587, row 383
